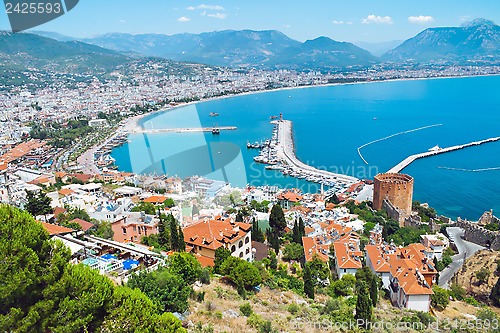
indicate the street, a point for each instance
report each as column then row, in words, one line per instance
column 465, row 250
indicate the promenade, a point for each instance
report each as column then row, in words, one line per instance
column 410, row 159
column 184, row 130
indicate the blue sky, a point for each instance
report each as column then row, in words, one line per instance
column 346, row 20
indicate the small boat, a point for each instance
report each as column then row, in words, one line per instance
column 273, row 117
column 435, row 148
column 215, row 130
column 374, row 118
column 214, row 114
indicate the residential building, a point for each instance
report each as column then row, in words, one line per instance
column 204, row 237
column 132, row 226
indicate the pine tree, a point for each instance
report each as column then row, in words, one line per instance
column 221, row 254
column 272, row 259
column 364, row 307
column 38, row 203
column 308, row 282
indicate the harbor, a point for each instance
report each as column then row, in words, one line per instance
column 279, row 154
column 436, row 151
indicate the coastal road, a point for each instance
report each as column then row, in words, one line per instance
column 465, row 251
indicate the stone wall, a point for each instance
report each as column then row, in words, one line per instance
column 477, row 234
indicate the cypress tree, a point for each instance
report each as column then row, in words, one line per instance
column 180, row 240
column 277, row 221
column 302, row 228
column 174, row 233
column 163, row 232
column 296, row 237
column 364, row 306
column 257, row 234
column 308, row 282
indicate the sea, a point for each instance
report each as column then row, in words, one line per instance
column 355, row 129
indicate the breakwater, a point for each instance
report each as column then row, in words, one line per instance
column 410, row 159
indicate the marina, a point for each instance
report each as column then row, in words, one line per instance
column 279, row 154
column 436, row 151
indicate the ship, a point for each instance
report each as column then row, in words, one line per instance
column 215, row 130
column 273, row 117
column 435, row 148
column 213, row 114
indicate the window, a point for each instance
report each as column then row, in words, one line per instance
column 241, row 254
column 124, row 231
column 247, row 251
column 247, row 240
column 345, row 270
column 135, row 238
column 240, row 244
column 233, row 248
column 135, row 229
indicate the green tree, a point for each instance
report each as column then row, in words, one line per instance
column 308, row 282
column 38, row 203
column 78, row 301
column 132, row 311
column 343, row 287
column 163, row 233
column 78, row 213
column 242, row 273
column 482, row 275
column 273, row 240
column 302, row 229
column 293, row 251
column 320, row 273
column 103, row 229
column 257, row 234
column 495, row 294
column 364, row 305
column 440, row 299
column 174, row 233
column 146, row 207
column 296, row 234
column 186, row 266
column 221, row 254
column 277, row 221
column 164, row 287
column 30, row 261
column 239, row 217
column 273, row 260
column 181, row 243
column 372, row 282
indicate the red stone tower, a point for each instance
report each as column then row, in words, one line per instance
column 394, row 187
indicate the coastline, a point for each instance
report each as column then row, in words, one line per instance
column 132, row 124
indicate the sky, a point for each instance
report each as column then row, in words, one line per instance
column 344, row 20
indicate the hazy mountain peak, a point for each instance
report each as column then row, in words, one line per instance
column 478, row 22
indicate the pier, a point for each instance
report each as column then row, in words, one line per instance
column 280, row 155
column 184, row 130
column 410, row 159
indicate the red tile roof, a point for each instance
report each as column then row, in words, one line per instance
column 347, row 255
column 156, row 199
column 289, row 196
column 54, row 229
column 312, row 249
column 84, row 224
column 214, row 234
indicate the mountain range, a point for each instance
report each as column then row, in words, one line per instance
column 476, row 40
column 269, row 49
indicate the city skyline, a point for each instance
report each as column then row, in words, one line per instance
column 364, row 21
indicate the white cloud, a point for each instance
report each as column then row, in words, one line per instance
column 203, row 6
column 341, row 22
column 377, row 19
column 218, row 15
column 421, row 19
column 183, row 19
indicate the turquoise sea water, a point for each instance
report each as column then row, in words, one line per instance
column 331, row 122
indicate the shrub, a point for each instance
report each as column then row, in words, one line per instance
column 293, row 308
column 246, row 309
